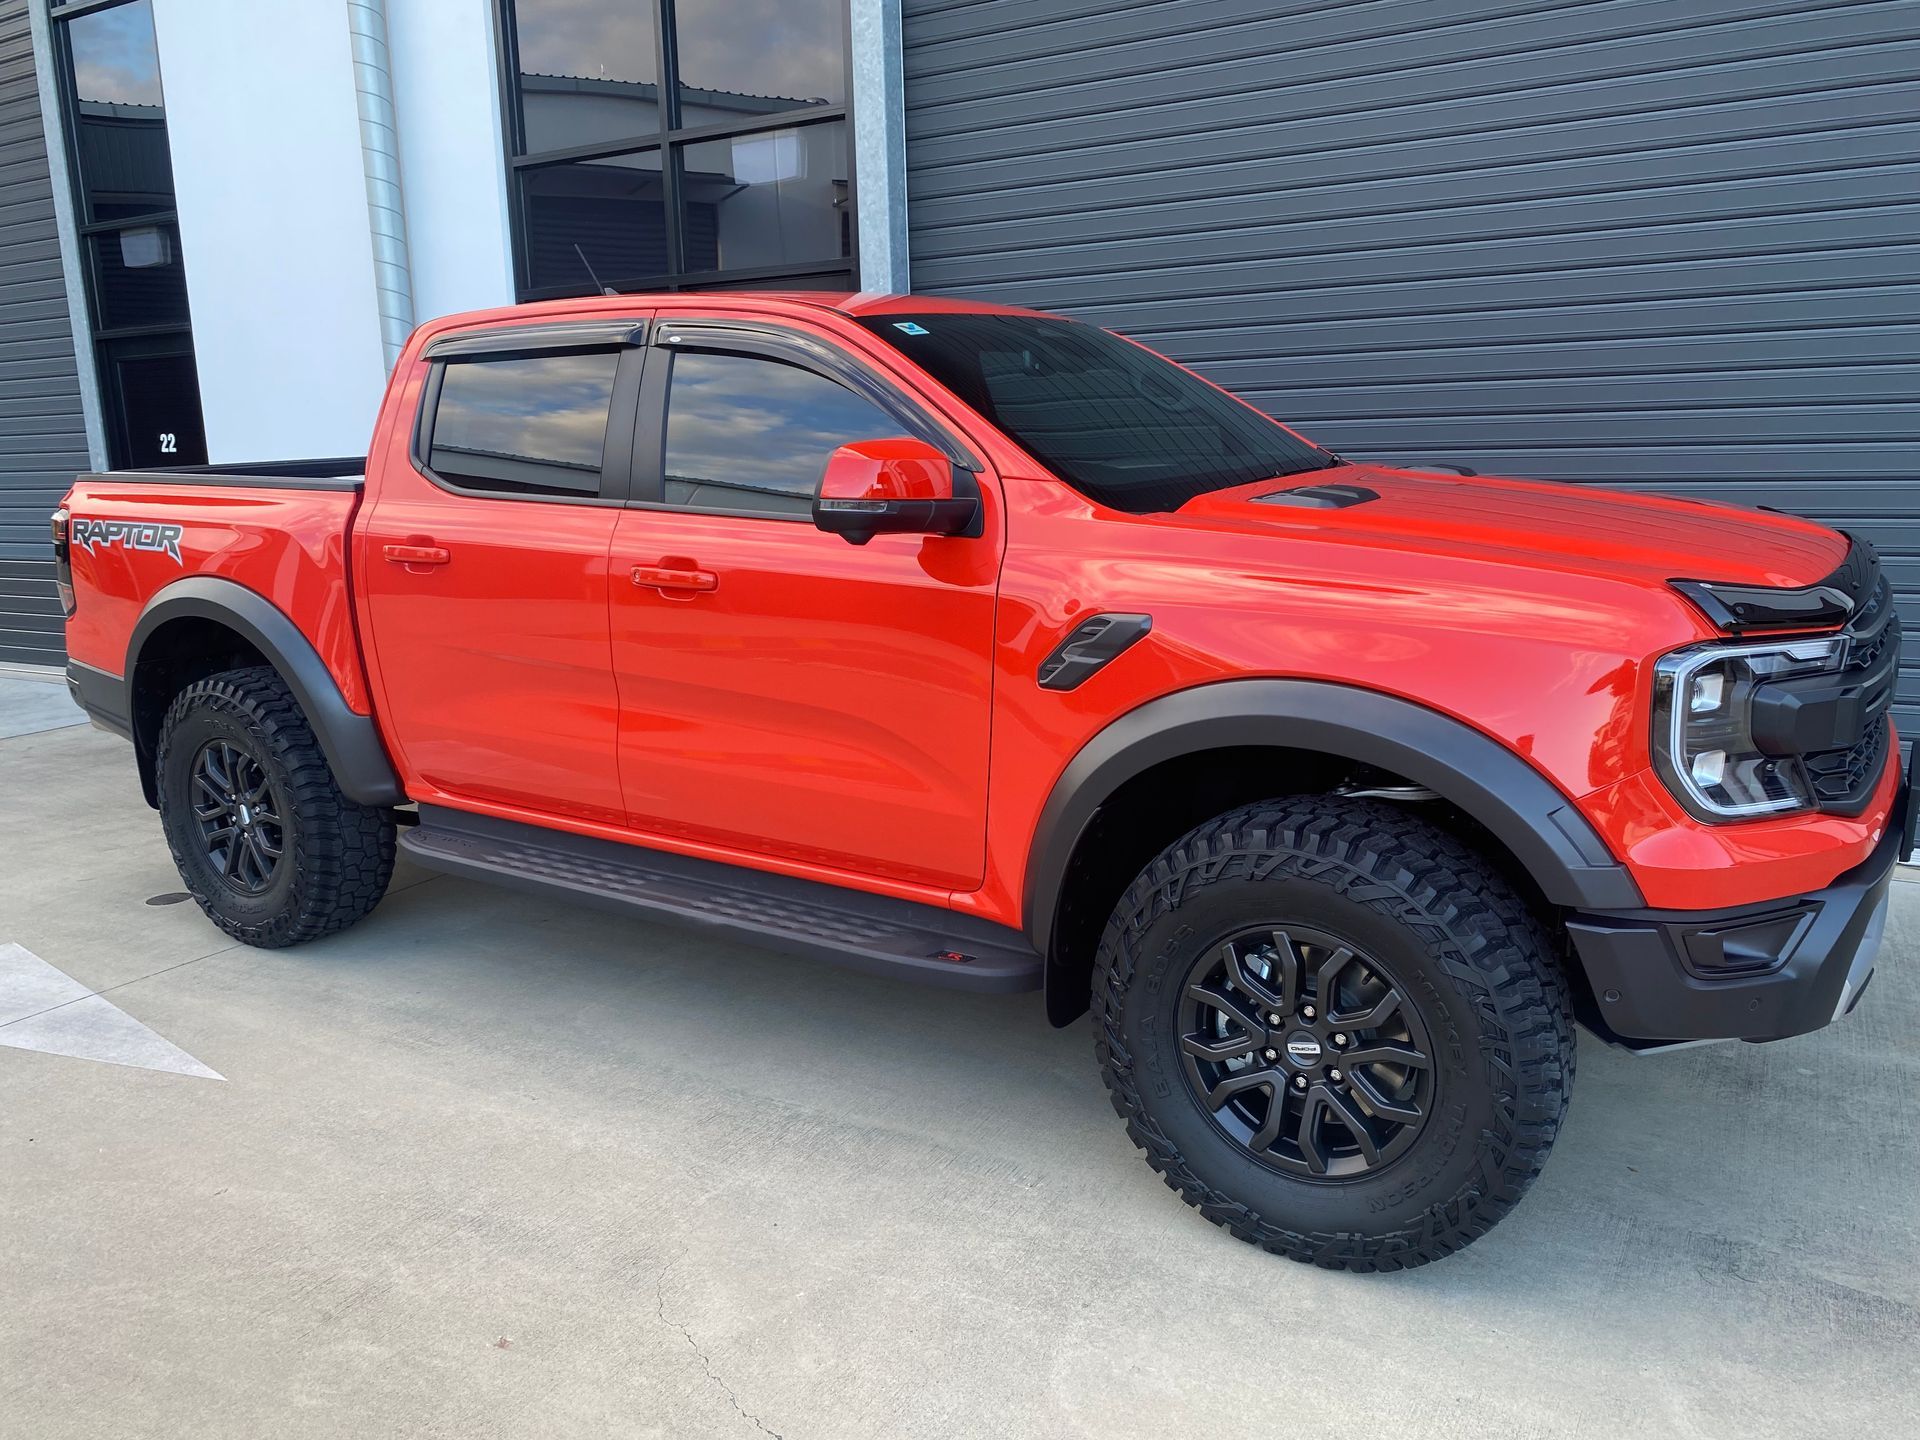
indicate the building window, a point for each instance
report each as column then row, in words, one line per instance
column 678, row 144
column 116, row 124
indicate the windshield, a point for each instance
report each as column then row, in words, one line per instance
column 1121, row 425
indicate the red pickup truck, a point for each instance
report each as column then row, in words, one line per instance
column 989, row 649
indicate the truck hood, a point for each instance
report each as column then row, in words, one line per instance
column 1543, row 524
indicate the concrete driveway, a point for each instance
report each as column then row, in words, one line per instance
column 491, row 1166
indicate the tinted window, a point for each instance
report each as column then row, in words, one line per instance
column 775, row 197
column 528, row 426
column 751, row 434
column 1120, row 424
column 595, row 222
column 588, row 71
column 741, row 58
column 120, row 124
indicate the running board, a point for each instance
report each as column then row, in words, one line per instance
column 876, row 933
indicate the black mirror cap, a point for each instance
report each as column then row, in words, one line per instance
column 858, row 521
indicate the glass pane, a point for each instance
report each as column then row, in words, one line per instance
column 750, row 434
column 603, row 220
column 159, row 398
column 587, row 72
column 757, row 57
column 537, row 424
column 778, row 197
column 1125, row 427
column 138, row 278
column 121, row 125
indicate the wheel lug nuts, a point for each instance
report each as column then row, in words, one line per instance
column 1299, row 1082
column 1339, row 1039
column 1306, row 1011
column 1273, row 1019
column 1271, row 1054
column 1333, row 1074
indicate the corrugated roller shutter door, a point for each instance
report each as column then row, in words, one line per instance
column 1666, row 244
column 43, row 439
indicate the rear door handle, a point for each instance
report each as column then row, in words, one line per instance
column 417, row 554
column 674, row 577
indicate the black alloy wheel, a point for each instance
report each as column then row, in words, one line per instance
column 1305, row 1051
column 240, row 823
column 268, row 846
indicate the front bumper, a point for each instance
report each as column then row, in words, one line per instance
column 1753, row 972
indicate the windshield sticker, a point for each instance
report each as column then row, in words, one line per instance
column 907, row 327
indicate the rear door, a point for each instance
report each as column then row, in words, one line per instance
column 485, row 569
column 782, row 691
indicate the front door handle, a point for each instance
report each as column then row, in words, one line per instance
column 668, row 576
column 411, row 555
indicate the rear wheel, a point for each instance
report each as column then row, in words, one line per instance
column 262, row 836
column 1335, row 1031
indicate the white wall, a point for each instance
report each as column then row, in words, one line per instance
column 446, row 94
column 265, row 134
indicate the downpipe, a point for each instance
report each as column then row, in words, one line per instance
column 380, row 156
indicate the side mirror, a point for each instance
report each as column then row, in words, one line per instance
column 893, row 487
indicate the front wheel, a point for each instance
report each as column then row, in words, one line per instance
column 263, row 838
column 1335, row 1031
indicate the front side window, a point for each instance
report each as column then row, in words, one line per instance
column 528, row 426
column 1123, row 426
column 753, row 435
column 672, row 144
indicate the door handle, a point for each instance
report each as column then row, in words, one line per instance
column 411, row 555
column 674, row 577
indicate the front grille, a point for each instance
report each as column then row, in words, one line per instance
column 1842, row 781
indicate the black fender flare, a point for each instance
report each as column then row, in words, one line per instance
column 1524, row 810
column 349, row 739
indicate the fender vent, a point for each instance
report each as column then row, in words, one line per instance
column 1319, row 497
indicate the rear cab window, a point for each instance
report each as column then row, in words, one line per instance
column 524, row 425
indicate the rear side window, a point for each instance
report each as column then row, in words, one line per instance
column 752, row 435
column 534, row 425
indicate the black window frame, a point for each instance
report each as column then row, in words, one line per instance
column 667, row 142
column 782, row 345
column 625, row 338
column 113, row 343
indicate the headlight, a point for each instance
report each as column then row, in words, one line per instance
column 1703, row 741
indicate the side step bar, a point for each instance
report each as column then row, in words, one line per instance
column 848, row 927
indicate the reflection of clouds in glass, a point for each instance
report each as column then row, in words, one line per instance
column 551, row 408
column 115, row 61
column 762, row 47
column 755, row 422
column 595, row 39
column 789, row 48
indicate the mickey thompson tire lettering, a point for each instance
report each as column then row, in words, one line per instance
column 1469, row 957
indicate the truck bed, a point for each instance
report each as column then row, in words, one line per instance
column 280, row 529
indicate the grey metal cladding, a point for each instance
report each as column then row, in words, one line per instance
column 43, row 440
column 1663, row 244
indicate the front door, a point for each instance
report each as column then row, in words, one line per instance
column 783, row 692
column 485, row 576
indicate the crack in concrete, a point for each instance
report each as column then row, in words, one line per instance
column 706, row 1364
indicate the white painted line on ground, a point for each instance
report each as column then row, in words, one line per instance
column 44, row 1008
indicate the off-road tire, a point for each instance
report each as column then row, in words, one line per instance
column 337, row 856
column 1474, row 960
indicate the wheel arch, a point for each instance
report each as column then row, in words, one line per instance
column 204, row 621
column 1312, row 727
